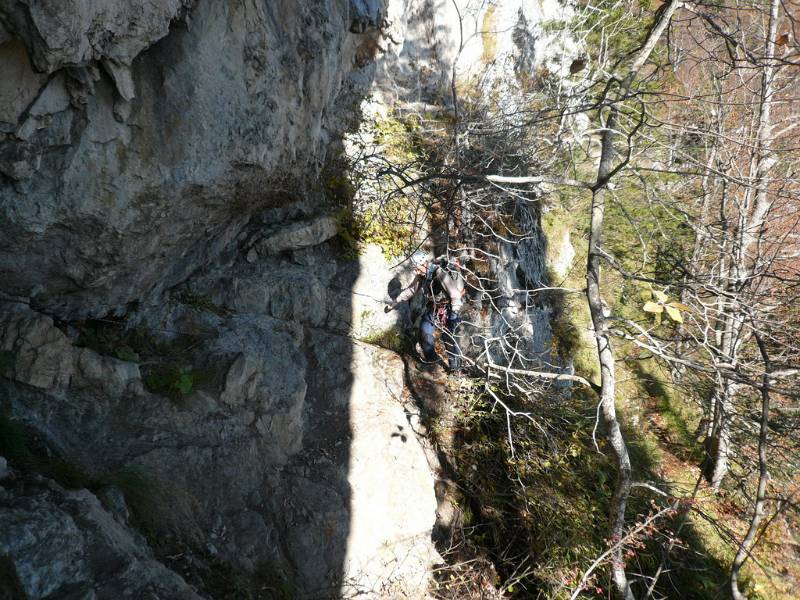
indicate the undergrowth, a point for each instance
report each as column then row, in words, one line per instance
column 167, row 363
column 533, row 516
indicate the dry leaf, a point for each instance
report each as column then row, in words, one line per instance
column 674, row 313
column 652, row 307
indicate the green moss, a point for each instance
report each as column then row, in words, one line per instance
column 339, row 188
column 392, row 339
column 126, row 353
column 388, row 226
column 174, row 382
column 571, row 322
column 349, row 236
column 398, row 140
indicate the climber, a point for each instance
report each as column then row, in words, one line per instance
column 443, row 289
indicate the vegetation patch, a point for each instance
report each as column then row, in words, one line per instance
column 393, row 338
column 107, row 337
column 174, row 382
column 167, row 362
column 571, row 322
column 535, row 514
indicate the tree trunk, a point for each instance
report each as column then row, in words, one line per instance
column 593, row 295
column 607, row 367
column 763, row 477
column 752, row 216
column 717, row 444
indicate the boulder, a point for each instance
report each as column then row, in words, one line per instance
column 36, row 352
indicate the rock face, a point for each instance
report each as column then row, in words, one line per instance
column 425, row 42
column 276, row 459
column 145, row 145
column 138, row 138
column 64, row 543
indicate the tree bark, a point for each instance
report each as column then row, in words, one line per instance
column 605, row 170
column 763, row 477
column 752, row 216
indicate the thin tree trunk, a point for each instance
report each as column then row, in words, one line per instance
column 719, row 441
column 763, row 477
column 751, row 223
column 607, row 367
column 594, row 298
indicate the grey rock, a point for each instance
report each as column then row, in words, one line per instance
column 63, row 543
column 53, row 98
column 123, row 78
column 255, row 542
column 4, row 470
column 113, row 500
column 108, row 376
column 280, row 459
column 165, row 152
column 299, row 235
column 76, row 32
column 240, row 381
column 21, row 83
column 366, row 14
column 40, row 354
column 390, row 560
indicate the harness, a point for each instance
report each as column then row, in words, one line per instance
column 440, row 316
column 438, row 300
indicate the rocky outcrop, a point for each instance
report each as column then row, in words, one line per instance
column 276, row 458
column 65, row 544
column 137, row 138
column 78, row 33
column 179, row 322
column 426, row 42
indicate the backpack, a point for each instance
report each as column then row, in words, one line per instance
column 453, row 269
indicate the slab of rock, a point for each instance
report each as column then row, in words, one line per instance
column 36, row 352
column 63, row 542
column 363, row 502
column 389, row 547
column 298, row 235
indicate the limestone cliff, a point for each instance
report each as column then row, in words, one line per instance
column 186, row 407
